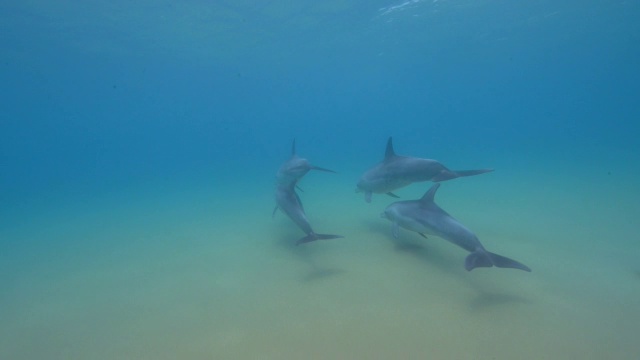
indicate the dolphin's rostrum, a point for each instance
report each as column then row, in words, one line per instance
column 424, row 216
column 396, row 171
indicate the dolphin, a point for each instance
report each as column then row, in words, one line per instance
column 396, row 171
column 289, row 202
column 295, row 168
column 424, row 216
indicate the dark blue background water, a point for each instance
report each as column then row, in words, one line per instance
column 547, row 78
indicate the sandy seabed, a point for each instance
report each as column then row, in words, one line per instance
column 207, row 273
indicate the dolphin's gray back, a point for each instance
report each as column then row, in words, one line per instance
column 404, row 170
column 293, row 170
column 427, row 217
column 449, row 228
column 289, row 202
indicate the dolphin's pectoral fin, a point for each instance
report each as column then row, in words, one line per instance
column 395, row 230
column 321, row 169
column 423, row 235
column 367, row 196
column 273, row 214
column 393, row 195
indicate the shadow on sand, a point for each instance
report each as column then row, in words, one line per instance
column 316, row 274
column 308, row 253
column 487, row 300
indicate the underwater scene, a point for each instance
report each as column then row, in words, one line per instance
column 340, row 179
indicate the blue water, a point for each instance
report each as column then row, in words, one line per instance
column 139, row 144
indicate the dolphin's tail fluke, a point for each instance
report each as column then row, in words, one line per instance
column 483, row 258
column 449, row 174
column 313, row 237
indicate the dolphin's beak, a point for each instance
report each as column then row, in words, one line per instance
column 358, row 190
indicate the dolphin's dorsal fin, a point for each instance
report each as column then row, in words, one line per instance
column 389, row 153
column 293, row 147
column 430, row 194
